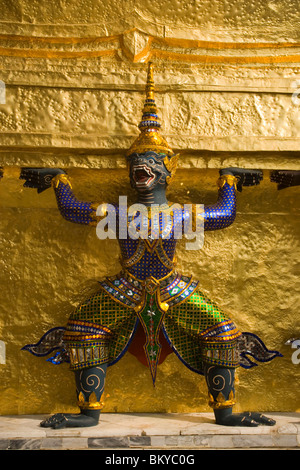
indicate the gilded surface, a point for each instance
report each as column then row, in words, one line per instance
column 208, row 19
column 226, row 75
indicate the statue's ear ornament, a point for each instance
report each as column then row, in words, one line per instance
column 171, row 165
column 150, row 137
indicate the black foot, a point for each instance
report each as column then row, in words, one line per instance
column 68, row 420
column 249, row 419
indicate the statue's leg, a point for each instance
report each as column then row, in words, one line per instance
column 212, row 349
column 220, row 383
column 96, row 334
column 89, row 385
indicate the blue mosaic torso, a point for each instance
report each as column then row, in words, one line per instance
column 153, row 254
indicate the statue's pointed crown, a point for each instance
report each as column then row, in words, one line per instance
column 150, row 138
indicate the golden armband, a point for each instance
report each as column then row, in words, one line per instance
column 61, row 178
column 229, row 179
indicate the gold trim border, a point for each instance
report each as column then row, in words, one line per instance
column 174, row 42
column 150, row 50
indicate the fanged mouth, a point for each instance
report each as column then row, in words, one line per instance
column 143, row 175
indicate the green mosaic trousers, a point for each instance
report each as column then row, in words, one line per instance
column 100, row 329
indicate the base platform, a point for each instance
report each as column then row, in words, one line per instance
column 195, row 431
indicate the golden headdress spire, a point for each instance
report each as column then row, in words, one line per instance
column 150, row 138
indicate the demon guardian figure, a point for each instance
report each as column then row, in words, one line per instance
column 150, row 308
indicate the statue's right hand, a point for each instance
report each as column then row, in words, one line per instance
column 39, row 178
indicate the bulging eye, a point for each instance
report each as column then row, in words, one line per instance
column 151, row 161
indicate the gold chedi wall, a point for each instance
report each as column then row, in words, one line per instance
column 73, row 80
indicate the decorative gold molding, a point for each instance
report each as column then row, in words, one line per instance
column 48, row 54
column 136, row 46
column 57, row 40
column 197, row 44
column 206, row 59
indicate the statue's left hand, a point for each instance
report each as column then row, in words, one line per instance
column 39, row 178
column 285, row 178
column 244, row 176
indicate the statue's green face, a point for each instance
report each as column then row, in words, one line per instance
column 147, row 171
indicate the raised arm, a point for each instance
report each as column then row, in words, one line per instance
column 69, row 206
column 222, row 213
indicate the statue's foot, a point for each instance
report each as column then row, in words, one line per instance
column 69, row 420
column 250, row 419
